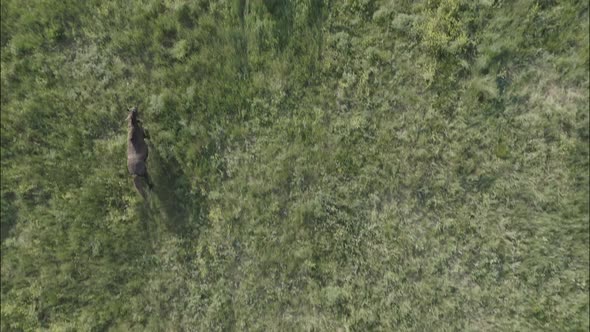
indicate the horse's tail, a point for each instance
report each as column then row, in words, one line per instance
column 139, row 185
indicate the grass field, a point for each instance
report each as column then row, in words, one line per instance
column 354, row 165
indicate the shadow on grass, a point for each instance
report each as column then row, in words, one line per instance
column 170, row 203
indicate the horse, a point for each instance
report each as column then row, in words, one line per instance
column 137, row 152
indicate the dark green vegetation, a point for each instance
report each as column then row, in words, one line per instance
column 318, row 165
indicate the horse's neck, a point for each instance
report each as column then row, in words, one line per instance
column 132, row 131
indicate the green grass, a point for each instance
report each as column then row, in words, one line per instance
column 356, row 165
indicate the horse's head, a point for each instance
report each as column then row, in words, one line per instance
column 132, row 116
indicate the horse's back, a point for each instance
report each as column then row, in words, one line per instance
column 138, row 150
column 136, row 166
column 136, row 146
column 137, row 156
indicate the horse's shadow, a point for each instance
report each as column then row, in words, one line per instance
column 171, row 204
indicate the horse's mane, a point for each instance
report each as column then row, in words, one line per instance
column 132, row 125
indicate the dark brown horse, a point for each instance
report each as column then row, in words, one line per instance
column 137, row 152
